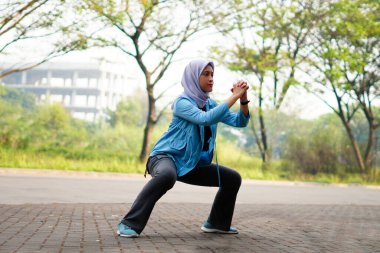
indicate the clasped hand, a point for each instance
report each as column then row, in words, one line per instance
column 240, row 89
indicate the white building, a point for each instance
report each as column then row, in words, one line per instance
column 85, row 89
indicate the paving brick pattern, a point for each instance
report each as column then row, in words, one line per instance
column 176, row 228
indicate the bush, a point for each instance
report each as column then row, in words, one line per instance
column 321, row 148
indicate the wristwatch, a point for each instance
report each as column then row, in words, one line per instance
column 245, row 102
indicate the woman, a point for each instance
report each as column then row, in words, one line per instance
column 185, row 152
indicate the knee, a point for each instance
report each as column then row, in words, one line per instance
column 234, row 180
column 168, row 179
column 237, row 179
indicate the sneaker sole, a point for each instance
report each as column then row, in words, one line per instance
column 217, row 231
column 127, row 236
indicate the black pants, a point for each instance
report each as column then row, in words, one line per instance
column 164, row 176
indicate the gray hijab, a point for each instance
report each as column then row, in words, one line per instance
column 190, row 81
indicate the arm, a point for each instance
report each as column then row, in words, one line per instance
column 244, row 108
column 241, row 118
column 185, row 109
column 236, row 119
column 232, row 100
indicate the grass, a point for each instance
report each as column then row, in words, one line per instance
column 249, row 167
column 29, row 159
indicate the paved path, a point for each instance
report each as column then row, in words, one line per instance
column 175, row 227
column 303, row 222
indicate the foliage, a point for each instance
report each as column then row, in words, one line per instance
column 275, row 42
column 15, row 118
column 319, row 148
column 271, row 42
column 145, row 31
column 13, row 96
column 268, row 45
column 345, row 47
column 129, row 111
column 38, row 21
column 48, row 137
column 12, row 122
column 54, row 127
column 38, row 127
column 305, row 146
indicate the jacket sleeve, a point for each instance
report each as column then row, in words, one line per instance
column 233, row 119
column 236, row 119
column 184, row 109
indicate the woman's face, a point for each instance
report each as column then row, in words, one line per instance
column 206, row 80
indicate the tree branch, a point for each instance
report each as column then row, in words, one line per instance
column 163, row 92
column 8, row 19
column 161, row 112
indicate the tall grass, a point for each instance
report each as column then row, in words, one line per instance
column 47, row 137
column 29, row 159
column 249, row 167
column 117, row 151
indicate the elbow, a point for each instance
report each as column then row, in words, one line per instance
column 241, row 125
column 201, row 121
column 245, row 120
column 244, row 123
column 207, row 121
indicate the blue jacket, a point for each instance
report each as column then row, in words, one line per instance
column 183, row 141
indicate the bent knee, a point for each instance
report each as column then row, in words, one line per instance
column 234, row 180
column 238, row 179
column 168, row 180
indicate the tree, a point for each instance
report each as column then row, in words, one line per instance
column 270, row 41
column 346, row 57
column 151, row 32
column 34, row 21
column 318, row 146
column 14, row 118
column 129, row 112
column 14, row 96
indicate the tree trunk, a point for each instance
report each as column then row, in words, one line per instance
column 150, row 122
column 258, row 143
column 371, row 135
column 368, row 153
column 355, row 147
column 264, row 141
column 263, row 136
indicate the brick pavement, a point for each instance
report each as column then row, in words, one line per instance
column 175, row 227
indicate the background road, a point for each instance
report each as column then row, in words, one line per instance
column 19, row 186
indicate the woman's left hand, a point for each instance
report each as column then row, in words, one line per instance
column 243, row 84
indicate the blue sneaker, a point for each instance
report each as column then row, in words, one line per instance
column 208, row 228
column 125, row 231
